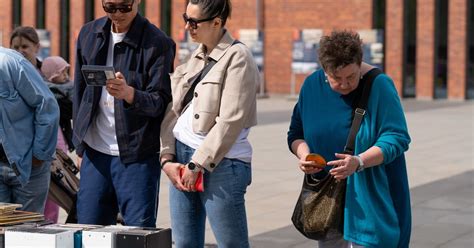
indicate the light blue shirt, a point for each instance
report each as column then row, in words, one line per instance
column 29, row 114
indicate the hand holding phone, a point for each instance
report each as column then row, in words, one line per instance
column 97, row 75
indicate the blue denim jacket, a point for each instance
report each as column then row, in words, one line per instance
column 145, row 58
column 29, row 114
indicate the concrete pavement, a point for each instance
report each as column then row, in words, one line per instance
column 440, row 167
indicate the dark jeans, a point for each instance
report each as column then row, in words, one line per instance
column 108, row 186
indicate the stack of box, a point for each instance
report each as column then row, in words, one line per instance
column 38, row 237
column 77, row 229
column 144, row 238
column 102, row 237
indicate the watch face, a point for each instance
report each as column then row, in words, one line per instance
column 191, row 166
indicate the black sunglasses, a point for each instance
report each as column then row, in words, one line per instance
column 193, row 22
column 112, row 8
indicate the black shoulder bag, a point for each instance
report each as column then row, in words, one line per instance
column 319, row 211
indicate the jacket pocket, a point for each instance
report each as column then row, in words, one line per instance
column 206, row 105
column 207, row 95
column 203, row 122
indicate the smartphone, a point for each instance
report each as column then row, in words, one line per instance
column 97, row 75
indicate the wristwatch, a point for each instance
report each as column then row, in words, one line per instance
column 361, row 166
column 193, row 167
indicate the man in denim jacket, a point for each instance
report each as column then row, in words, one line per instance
column 117, row 126
column 29, row 117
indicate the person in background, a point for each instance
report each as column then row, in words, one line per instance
column 28, row 131
column 377, row 203
column 116, row 127
column 206, row 130
column 56, row 70
column 25, row 40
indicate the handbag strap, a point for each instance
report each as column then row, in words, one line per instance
column 199, row 77
column 360, row 105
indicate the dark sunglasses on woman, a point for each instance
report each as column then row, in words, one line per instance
column 122, row 7
column 193, row 23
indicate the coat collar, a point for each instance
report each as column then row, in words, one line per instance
column 226, row 41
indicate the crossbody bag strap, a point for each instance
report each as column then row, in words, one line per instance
column 189, row 95
column 360, row 109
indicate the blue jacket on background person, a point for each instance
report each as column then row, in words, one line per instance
column 29, row 114
column 145, row 66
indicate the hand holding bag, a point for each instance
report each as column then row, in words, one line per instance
column 319, row 211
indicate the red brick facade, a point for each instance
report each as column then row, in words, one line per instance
column 457, row 49
column 394, row 45
column 280, row 18
column 28, row 12
column 425, row 52
column 6, row 23
column 52, row 18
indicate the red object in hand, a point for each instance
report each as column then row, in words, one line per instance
column 199, row 185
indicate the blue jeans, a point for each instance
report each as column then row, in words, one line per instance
column 222, row 201
column 107, row 186
column 33, row 195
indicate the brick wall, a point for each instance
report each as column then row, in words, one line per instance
column 425, row 49
column 28, row 13
column 77, row 18
column 281, row 18
column 457, row 49
column 6, row 22
column 394, row 42
column 98, row 10
column 153, row 11
column 52, row 18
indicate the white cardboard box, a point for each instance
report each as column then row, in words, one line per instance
column 38, row 238
column 102, row 237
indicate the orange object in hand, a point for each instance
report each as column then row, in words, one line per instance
column 318, row 159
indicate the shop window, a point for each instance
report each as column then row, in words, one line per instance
column 16, row 17
column 64, row 29
column 470, row 49
column 40, row 14
column 166, row 16
column 89, row 10
column 441, row 49
column 409, row 49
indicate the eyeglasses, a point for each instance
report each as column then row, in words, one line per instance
column 122, row 7
column 193, row 22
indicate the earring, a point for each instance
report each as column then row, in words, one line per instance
column 325, row 77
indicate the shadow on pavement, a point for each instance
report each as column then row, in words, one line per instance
column 443, row 215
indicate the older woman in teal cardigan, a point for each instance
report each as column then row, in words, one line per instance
column 377, row 203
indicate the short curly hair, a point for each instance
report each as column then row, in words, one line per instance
column 339, row 49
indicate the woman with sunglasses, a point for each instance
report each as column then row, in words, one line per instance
column 206, row 130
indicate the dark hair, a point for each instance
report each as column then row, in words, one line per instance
column 217, row 8
column 26, row 32
column 340, row 49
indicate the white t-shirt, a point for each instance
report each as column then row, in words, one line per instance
column 101, row 134
column 183, row 131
